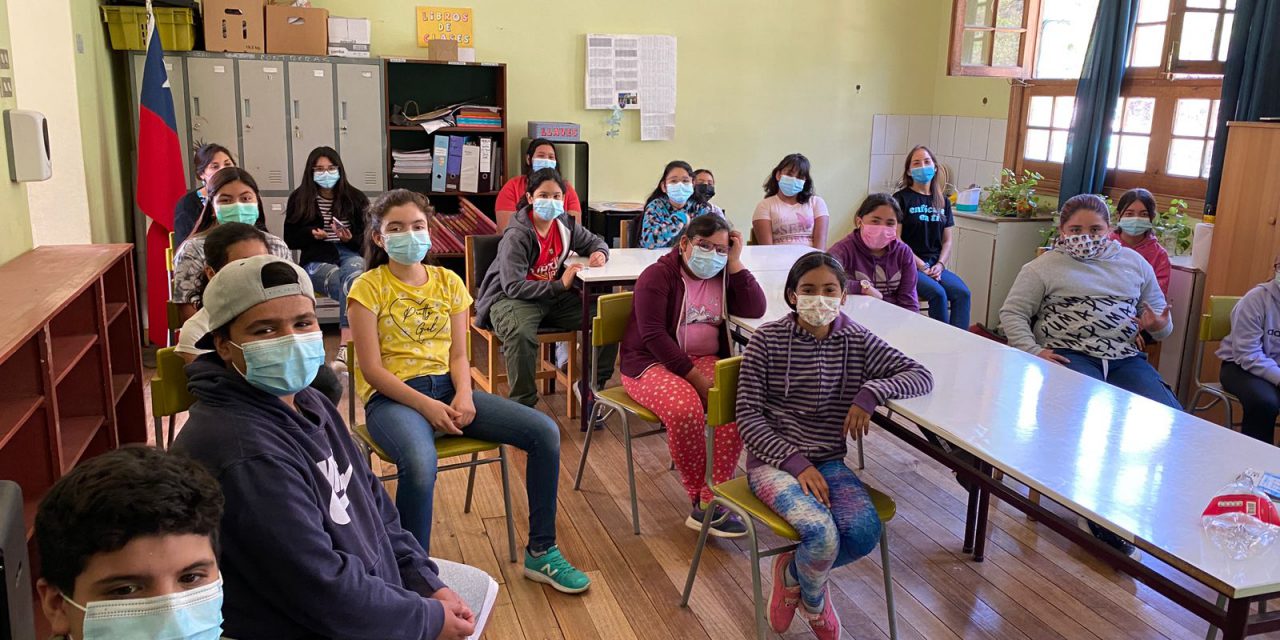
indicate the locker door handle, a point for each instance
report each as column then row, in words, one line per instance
column 344, row 111
column 295, row 108
column 196, row 105
column 248, row 113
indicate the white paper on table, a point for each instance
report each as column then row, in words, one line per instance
column 657, row 87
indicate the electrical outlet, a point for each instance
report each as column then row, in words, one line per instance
column 4, row 58
column 6, row 87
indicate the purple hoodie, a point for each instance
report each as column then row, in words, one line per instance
column 892, row 274
column 1254, row 342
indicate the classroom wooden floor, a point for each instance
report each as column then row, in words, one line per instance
column 1033, row 585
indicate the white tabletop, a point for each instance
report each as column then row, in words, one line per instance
column 1129, row 463
column 627, row 264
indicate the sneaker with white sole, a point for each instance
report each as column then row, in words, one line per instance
column 724, row 524
column 551, row 568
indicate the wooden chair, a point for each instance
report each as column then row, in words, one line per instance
column 169, row 395
column 480, row 253
column 1214, row 326
column 624, row 233
column 736, row 496
column 613, row 311
column 446, row 447
column 172, row 311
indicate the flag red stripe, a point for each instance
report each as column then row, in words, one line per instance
column 160, row 180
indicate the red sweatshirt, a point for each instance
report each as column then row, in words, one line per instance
column 1151, row 250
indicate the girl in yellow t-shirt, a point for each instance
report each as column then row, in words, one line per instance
column 414, row 316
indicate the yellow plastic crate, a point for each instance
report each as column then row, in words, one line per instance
column 128, row 28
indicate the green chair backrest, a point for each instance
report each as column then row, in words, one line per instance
column 1216, row 324
column 169, row 395
column 613, row 312
column 723, row 395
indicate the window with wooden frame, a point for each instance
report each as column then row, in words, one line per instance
column 991, row 37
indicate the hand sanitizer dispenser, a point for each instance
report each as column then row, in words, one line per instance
column 27, row 143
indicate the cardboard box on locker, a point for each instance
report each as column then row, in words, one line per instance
column 234, row 25
column 297, row 30
column 349, row 37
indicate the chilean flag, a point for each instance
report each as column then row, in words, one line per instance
column 160, row 179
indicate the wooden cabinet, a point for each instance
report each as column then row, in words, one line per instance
column 70, row 364
column 1246, row 236
column 987, row 254
column 1177, row 352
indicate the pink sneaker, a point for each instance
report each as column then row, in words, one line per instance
column 784, row 600
column 825, row 625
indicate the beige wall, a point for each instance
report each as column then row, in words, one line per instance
column 15, row 218
column 106, row 132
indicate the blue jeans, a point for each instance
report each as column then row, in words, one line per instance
column 1133, row 374
column 334, row 280
column 948, row 299
column 406, row 436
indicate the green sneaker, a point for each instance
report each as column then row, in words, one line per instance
column 551, row 568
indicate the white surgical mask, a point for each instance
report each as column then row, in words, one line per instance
column 817, row 311
column 186, row 615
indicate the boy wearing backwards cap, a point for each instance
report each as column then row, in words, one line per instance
column 311, row 544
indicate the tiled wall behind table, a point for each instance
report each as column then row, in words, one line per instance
column 972, row 147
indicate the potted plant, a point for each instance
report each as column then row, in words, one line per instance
column 1014, row 196
column 1173, row 228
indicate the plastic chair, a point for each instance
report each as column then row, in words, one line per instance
column 446, row 447
column 736, row 496
column 481, row 251
column 613, row 311
column 1214, row 326
column 169, row 395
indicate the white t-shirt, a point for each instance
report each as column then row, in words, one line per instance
column 792, row 223
column 192, row 330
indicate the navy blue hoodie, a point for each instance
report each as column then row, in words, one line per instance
column 311, row 544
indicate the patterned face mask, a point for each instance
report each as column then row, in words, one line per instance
column 1083, row 246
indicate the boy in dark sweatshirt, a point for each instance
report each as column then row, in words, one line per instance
column 311, row 544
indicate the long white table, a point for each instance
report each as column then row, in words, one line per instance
column 1133, row 465
column 626, row 265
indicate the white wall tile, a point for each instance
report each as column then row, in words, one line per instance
column 933, row 132
column 946, row 139
column 988, row 173
column 967, row 173
column 960, row 144
column 881, row 173
column 895, row 167
column 878, row 126
column 895, row 140
column 995, row 141
column 918, row 131
column 977, row 149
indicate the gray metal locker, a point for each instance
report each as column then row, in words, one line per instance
column 212, row 100
column 274, row 206
column 263, row 122
column 177, row 87
column 361, row 132
column 311, row 112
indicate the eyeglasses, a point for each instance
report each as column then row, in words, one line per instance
column 722, row 249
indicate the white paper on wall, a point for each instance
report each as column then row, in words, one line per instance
column 634, row 72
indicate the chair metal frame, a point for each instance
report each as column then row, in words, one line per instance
column 1214, row 326
column 720, row 412
column 600, row 337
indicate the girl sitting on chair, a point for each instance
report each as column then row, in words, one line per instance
column 413, row 316
column 1249, row 358
column 808, row 381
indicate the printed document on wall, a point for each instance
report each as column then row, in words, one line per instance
column 657, row 87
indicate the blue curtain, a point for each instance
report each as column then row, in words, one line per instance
column 1097, row 93
column 1251, row 80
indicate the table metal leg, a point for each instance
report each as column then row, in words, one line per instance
column 584, row 386
column 980, row 531
column 970, row 515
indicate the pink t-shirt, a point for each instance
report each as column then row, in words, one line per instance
column 699, row 333
column 792, row 223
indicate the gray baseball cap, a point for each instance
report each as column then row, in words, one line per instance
column 238, row 287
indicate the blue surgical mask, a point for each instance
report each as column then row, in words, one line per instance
column 408, row 247
column 326, row 179
column 539, row 164
column 923, row 175
column 186, row 615
column 706, row 263
column 790, row 186
column 1134, row 226
column 548, row 209
column 245, row 212
column 283, row 366
column 679, row 192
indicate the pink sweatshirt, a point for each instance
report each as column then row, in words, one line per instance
column 1153, row 252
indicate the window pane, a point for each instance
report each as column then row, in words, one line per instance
column 1204, row 4
column 1213, row 119
column 1148, row 43
column 1005, row 52
column 1153, row 10
column 1037, row 144
column 1039, row 111
column 1063, row 111
column 1113, row 146
column 1010, row 13
column 1228, row 20
column 1133, row 153
column 1185, row 157
column 1137, row 114
column 1208, row 157
column 978, row 13
column 975, row 48
column 1058, row 146
column 1197, row 36
column 1060, row 49
column 1231, row 4
column 1191, row 118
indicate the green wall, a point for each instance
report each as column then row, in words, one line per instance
column 105, row 128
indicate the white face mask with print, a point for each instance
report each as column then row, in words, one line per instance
column 1083, row 246
column 817, row 311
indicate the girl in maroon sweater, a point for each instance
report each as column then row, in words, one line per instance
column 677, row 332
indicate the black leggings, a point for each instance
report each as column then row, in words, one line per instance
column 1261, row 401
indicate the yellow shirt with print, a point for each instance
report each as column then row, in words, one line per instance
column 413, row 322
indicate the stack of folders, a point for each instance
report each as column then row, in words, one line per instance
column 466, row 164
column 411, row 162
